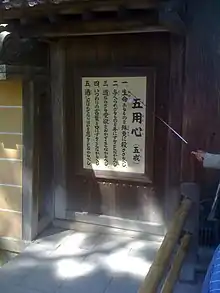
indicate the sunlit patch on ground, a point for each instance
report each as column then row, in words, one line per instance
column 69, row 268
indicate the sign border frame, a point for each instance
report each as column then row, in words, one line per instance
column 150, row 74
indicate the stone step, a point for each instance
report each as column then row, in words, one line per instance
column 204, row 257
column 195, row 287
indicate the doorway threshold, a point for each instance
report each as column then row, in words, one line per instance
column 118, row 223
column 95, row 228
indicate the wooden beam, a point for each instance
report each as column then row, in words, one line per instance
column 123, row 13
column 75, row 7
column 11, row 71
column 17, row 51
column 76, row 28
column 87, row 15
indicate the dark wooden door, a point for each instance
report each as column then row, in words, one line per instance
column 105, row 198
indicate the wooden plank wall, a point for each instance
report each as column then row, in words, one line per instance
column 120, row 51
column 201, row 120
column 11, row 159
column 174, row 144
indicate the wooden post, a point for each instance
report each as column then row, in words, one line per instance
column 59, row 137
column 162, row 259
column 29, row 198
column 174, row 145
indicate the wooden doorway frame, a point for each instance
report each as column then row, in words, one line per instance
column 31, row 225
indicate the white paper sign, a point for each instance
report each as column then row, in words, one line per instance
column 114, row 110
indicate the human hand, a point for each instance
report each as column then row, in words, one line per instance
column 199, row 155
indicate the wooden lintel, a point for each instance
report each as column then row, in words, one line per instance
column 123, row 12
column 78, row 28
column 11, row 71
column 87, row 15
column 76, row 7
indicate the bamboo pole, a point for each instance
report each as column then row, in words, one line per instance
column 162, row 259
column 176, row 265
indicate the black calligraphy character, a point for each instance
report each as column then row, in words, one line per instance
column 124, row 127
column 115, row 92
column 124, row 133
column 124, row 95
column 88, row 92
column 136, row 158
column 96, row 91
column 136, row 150
column 96, row 83
column 137, row 117
column 137, row 131
column 137, row 104
column 87, row 83
column 105, row 92
column 124, row 92
column 124, row 144
column 115, row 83
column 105, row 83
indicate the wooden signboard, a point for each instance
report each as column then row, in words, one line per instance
column 117, row 123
